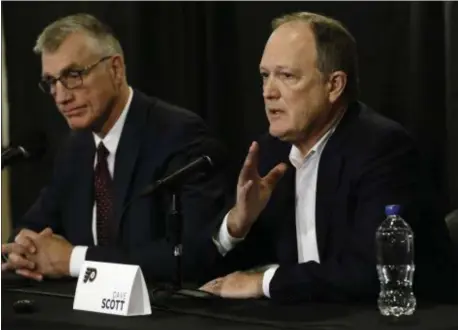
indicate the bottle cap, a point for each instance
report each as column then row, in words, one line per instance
column 392, row 210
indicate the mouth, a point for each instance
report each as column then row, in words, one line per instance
column 73, row 111
column 275, row 112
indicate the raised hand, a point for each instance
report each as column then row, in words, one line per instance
column 253, row 193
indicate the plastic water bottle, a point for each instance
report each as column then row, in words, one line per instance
column 395, row 264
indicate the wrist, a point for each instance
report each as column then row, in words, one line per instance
column 259, row 284
column 236, row 225
column 64, row 264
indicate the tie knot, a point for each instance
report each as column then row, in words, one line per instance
column 102, row 152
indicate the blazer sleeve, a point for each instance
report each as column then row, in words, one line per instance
column 45, row 211
column 390, row 175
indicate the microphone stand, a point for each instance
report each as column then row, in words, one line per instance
column 175, row 228
column 175, row 236
column 174, row 233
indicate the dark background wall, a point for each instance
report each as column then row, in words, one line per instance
column 205, row 55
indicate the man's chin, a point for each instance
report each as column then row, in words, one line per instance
column 77, row 124
column 280, row 134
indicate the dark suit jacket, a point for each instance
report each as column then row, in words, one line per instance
column 157, row 139
column 368, row 163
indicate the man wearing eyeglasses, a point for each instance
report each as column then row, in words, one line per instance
column 121, row 140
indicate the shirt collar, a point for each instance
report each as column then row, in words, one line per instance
column 295, row 155
column 111, row 140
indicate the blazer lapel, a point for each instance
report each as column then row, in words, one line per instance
column 329, row 173
column 126, row 156
column 281, row 208
column 332, row 164
column 287, row 240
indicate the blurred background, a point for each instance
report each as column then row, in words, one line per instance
column 204, row 56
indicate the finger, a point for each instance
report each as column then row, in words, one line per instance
column 206, row 286
column 29, row 238
column 46, row 232
column 13, row 248
column 246, row 168
column 254, row 154
column 275, row 174
column 26, row 242
column 27, row 232
column 245, row 190
column 6, row 266
column 209, row 283
column 17, row 261
column 208, row 289
column 237, row 272
column 214, row 281
column 34, row 235
column 30, row 274
column 212, row 286
column 250, row 165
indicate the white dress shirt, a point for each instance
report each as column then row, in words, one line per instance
column 306, row 179
column 111, row 141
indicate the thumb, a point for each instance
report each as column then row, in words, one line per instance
column 275, row 175
column 46, row 232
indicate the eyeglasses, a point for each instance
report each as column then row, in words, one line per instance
column 70, row 78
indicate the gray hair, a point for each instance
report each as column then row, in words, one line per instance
column 336, row 47
column 52, row 37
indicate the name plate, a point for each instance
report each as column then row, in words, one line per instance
column 112, row 289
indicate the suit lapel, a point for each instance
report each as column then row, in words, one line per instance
column 329, row 173
column 282, row 205
column 287, row 225
column 331, row 166
column 127, row 155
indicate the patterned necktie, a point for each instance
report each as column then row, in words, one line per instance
column 103, row 196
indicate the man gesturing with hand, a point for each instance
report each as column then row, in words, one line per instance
column 253, row 193
column 310, row 235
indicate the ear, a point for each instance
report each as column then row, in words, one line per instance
column 117, row 69
column 336, row 85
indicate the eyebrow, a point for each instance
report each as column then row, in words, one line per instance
column 70, row 66
column 279, row 67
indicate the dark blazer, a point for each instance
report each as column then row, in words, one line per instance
column 368, row 163
column 157, row 139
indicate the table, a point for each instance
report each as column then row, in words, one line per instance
column 54, row 310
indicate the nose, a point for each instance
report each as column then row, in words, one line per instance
column 270, row 90
column 61, row 94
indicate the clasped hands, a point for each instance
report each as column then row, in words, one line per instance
column 35, row 255
column 253, row 194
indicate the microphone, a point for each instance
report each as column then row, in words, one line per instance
column 33, row 147
column 175, row 220
column 202, row 163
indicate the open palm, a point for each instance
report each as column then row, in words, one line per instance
column 253, row 191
